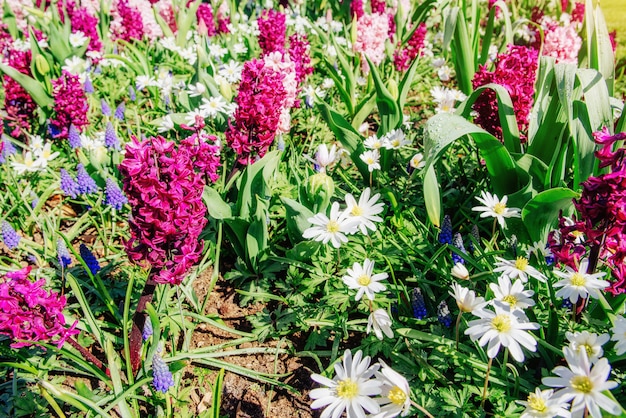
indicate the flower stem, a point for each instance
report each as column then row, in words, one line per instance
column 139, row 319
column 458, row 326
column 87, row 355
column 422, row 409
column 482, row 403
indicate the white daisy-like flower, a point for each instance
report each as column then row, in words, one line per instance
column 28, row 164
column 351, row 390
column 325, row 157
column 167, row 124
column 191, row 118
column 75, row 65
column 417, row 161
column 371, row 158
column 395, row 397
column 213, row 105
column 466, row 299
column 380, row 322
column 583, row 385
column 240, row 48
column 495, row 208
column 543, row 404
column 328, row 83
column 619, row 335
column 231, row 71
column 589, row 342
column 361, row 277
column 518, row 268
column 78, row 39
column 36, row 144
column 333, row 228
column 395, row 139
column 460, row 271
column 45, row 155
column 366, row 210
column 372, row 142
column 513, row 294
column 169, row 43
column 578, row 284
column 196, row 90
column 188, row 54
column 217, row 51
column 143, row 81
column 501, row 327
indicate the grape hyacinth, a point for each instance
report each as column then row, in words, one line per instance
column 73, row 137
column 443, row 314
column 147, row 329
column 164, row 183
column 63, row 255
column 418, row 304
column 89, row 259
column 132, row 95
column 86, row 184
column 114, row 195
column 6, row 149
column 28, row 312
column 88, row 86
column 105, row 108
column 69, row 186
column 110, row 138
column 445, row 235
column 10, row 238
column 119, row 112
column 457, row 241
column 162, row 377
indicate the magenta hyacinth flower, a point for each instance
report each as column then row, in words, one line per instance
column 70, row 106
column 272, row 31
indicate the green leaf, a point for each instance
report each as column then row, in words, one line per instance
column 541, row 213
column 217, row 394
column 390, row 113
column 296, row 216
column 216, row 206
column 36, row 90
column 432, row 197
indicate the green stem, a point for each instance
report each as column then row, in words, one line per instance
column 482, row 403
column 458, row 328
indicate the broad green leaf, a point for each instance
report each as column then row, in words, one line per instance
column 216, row 206
column 36, row 90
column 541, row 213
column 432, row 196
column 297, row 216
column 508, row 29
column 390, row 113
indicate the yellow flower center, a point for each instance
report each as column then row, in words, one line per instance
column 347, row 389
column 356, row 211
column 581, row 384
column 510, row 299
column 364, row 280
column 499, row 208
column 332, row 227
column 588, row 349
column 369, row 161
column 578, row 279
column 537, row 403
column 397, row 396
column 501, row 323
column 521, row 263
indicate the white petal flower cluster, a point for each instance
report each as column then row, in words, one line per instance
column 359, row 388
column 496, row 208
column 36, row 156
column 357, row 216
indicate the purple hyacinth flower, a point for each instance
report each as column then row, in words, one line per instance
column 110, row 138
column 88, row 86
column 106, row 110
column 119, row 111
column 65, row 260
column 10, row 238
column 147, row 329
column 89, row 259
column 69, row 185
column 114, row 195
column 162, row 377
column 445, row 236
column 418, row 304
column 7, row 149
column 86, row 184
column 73, row 137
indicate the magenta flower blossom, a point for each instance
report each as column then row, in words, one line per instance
column 126, row 22
column 82, row 21
column 562, row 43
column 260, row 102
column 70, row 106
column 300, row 54
column 206, row 21
column 28, row 312
column 19, row 106
column 272, row 31
column 372, row 30
column 403, row 57
column 356, row 8
column 516, row 71
column 164, row 184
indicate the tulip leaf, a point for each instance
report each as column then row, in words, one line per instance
column 541, row 213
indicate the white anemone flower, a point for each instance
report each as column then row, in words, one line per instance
column 333, row 228
column 213, row 105
column 619, row 335
column 196, row 90
column 231, row 71
column 325, row 157
column 372, row 142
column 371, row 158
column 166, row 124
column 583, row 385
column 78, row 39
column 45, row 155
column 361, row 277
column 366, row 210
column 502, row 328
column 543, row 404
column 460, row 271
column 495, row 208
column 351, row 390
column 395, row 397
column 417, row 161
column 589, row 342
column 578, row 284
column 395, row 139
column 380, row 322
column 466, row 299
column 518, row 268
column 513, row 294
column 28, row 164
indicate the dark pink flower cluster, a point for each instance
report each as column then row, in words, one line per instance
column 28, row 312
column 272, row 31
column 164, row 185
column 260, row 102
column 378, row 6
column 81, row 20
column 206, row 22
column 299, row 52
column 70, row 106
column 356, row 8
column 18, row 104
column 515, row 70
column 127, row 23
column 403, row 57
column 578, row 12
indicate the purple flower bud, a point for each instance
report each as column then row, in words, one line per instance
column 119, row 111
column 162, row 377
column 86, row 184
column 69, row 185
column 89, row 259
column 457, row 241
column 110, row 138
column 418, row 304
column 73, row 137
column 443, row 314
column 445, row 236
column 9, row 236
column 106, row 110
column 88, row 87
column 114, row 196
column 147, row 329
column 7, row 149
column 63, row 254
column 131, row 93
